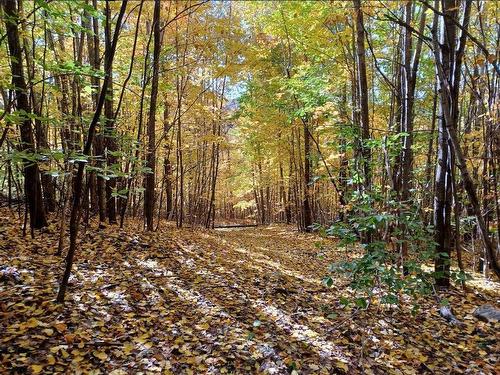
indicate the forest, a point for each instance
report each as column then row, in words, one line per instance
column 249, row 187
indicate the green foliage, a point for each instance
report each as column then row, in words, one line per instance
column 377, row 272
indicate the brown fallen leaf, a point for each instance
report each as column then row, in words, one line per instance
column 60, row 327
column 100, row 354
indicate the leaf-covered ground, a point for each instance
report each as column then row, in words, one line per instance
column 224, row 301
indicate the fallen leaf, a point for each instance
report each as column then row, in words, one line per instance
column 342, row 365
column 60, row 327
column 36, row 369
column 127, row 348
column 100, row 354
column 48, row 331
column 31, row 323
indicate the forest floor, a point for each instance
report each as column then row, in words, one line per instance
column 247, row 300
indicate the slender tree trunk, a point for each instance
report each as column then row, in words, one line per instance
column 363, row 95
column 408, row 84
column 32, row 185
column 47, row 181
column 261, row 193
column 456, row 213
column 98, row 183
column 428, row 182
column 149, row 192
column 448, row 63
column 78, row 178
column 288, row 208
column 137, row 150
column 167, row 165
column 443, row 193
column 306, row 203
column 282, row 195
column 110, row 136
column 181, row 82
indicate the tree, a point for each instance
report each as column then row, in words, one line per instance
column 449, row 57
column 109, row 130
column 32, row 185
column 149, row 193
column 363, row 95
column 78, row 177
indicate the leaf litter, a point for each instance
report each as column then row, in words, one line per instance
column 187, row 301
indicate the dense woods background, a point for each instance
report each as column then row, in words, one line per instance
column 375, row 122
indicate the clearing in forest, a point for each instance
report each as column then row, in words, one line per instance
column 247, row 300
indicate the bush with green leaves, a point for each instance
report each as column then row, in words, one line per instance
column 378, row 271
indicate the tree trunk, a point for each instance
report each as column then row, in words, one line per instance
column 97, row 181
column 32, row 185
column 363, row 95
column 306, row 204
column 448, row 63
column 443, row 195
column 149, row 192
column 47, row 181
column 167, row 166
column 78, row 178
column 109, row 131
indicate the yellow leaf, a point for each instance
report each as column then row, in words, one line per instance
column 31, row 323
column 142, row 338
column 128, row 347
column 480, row 60
column 179, row 340
column 99, row 354
column 55, row 349
column 203, row 326
column 36, row 369
column 50, row 359
column 342, row 365
column 409, row 353
column 48, row 331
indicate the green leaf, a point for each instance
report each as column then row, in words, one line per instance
column 344, row 301
column 328, row 281
column 444, row 302
column 361, row 303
